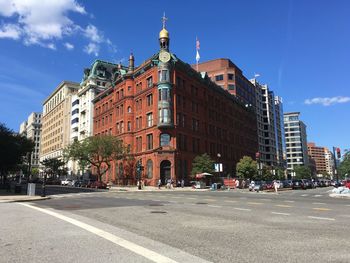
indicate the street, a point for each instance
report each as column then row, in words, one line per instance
column 174, row 226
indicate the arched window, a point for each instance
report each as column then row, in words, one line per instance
column 129, row 109
column 164, row 139
column 149, row 169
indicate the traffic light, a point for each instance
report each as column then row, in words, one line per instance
column 338, row 153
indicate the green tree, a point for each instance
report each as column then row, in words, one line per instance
column 302, row 172
column 202, row 164
column 247, row 168
column 13, row 149
column 53, row 166
column 99, row 151
column 344, row 167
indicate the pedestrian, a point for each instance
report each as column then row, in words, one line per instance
column 159, row 183
column 182, row 183
column 243, row 184
column 237, row 184
column 275, row 185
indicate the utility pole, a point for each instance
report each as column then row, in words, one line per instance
column 335, row 161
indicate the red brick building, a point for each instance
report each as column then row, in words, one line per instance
column 227, row 75
column 167, row 113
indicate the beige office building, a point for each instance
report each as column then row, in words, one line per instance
column 56, row 120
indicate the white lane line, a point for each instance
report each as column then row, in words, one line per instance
column 319, row 203
column 142, row 251
column 157, row 200
column 317, row 195
column 217, row 206
column 289, row 201
column 191, row 198
column 242, row 209
column 278, row 213
column 230, row 201
column 304, row 195
column 347, row 205
column 321, row 218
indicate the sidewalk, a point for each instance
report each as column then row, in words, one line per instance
column 152, row 189
column 6, row 197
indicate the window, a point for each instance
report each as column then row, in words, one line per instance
column 231, row 87
column 149, row 82
column 164, row 94
column 129, row 126
column 129, row 109
column 121, row 126
column 163, row 75
column 138, row 144
column 75, row 102
column 75, row 111
column 149, row 119
column 164, row 139
column 76, row 120
column 149, row 100
column 219, row 77
column 231, row 76
column 164, row 115
column 149, row 141
column 149, row 169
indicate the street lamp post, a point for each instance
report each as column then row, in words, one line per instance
column 219, row 164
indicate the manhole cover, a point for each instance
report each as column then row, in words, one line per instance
column 156, row 205
column 158, row 212
column 201, row 203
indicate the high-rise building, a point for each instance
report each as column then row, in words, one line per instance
column 324, row 161
column 56, row 120
column 227, row 75
column 96, row 79
column 269, row 112
column 329, row 162
column 296, row 141
column 167, row 113
column 32, row 130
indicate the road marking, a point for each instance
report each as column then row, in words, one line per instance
column 217, row 206
column 284, row 205
column 157, row 200
column 191, row 198
column 321, row 218
column 137, row 249
column 230, row 201
column 253, row 203
column 278, row 213
column 347, row 205
column 210, row 200
column 317, row 195
column 304, row 195
column 265, row 199
column 319, row 203
column 289, row 201
column 242, row 209
column 321, row 209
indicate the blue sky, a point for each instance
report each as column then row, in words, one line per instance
column 300, row 48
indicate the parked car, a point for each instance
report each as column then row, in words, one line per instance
column 287, row 183
column 347, row 183
column 298, row 184
column 269, row 185
column 257, row 186
column 66, row 182
column 99, row 185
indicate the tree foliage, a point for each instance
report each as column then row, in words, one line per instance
column 202, row 164
column 54, row 166
column 247, row 168
column 344, row 167
column 302, row 172
column 13, row 147
column 99, row 151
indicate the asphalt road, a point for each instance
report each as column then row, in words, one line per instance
column 227, row 226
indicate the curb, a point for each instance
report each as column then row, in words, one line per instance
column 24, row 200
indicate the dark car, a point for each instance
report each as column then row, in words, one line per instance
column 298, row 184
column 99, row 185
column 269, row 185
column 287, row 184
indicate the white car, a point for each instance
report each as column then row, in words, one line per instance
column 66, row 182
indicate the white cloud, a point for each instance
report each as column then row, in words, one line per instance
column 92, row 33
column 327, row 101
column 40, row 21
column 46, row 21
column 68, row 46
column 10, row 31
column 92, row 48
